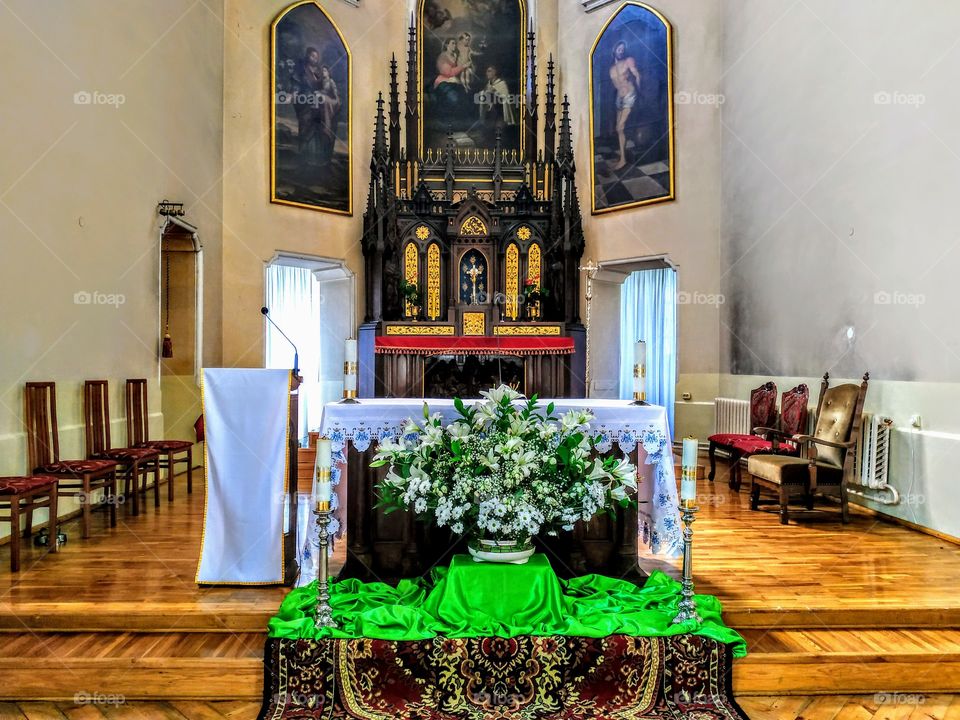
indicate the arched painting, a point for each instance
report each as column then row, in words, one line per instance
column 310, row 111
column 472, row 59
column 631, row 110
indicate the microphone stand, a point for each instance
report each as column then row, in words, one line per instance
column 265, row 311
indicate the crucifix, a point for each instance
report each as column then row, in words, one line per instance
column 474, row 274
column 591, row 269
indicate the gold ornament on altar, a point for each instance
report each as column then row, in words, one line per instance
column 423, row 232
column 473, row 226
column 524, row 234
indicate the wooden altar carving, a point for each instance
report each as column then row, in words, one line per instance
column 475, row 228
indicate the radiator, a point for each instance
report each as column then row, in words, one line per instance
column 731, row 416
column 872, row 467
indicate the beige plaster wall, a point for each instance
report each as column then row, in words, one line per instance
column 108, row 109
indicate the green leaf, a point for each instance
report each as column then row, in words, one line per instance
column 426, row 411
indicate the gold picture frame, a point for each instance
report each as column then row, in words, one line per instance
column 342, row 208
column 670, row 195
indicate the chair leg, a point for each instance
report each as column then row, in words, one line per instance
column 14, row 533
column 712, row 453
column 156, row 482
column 734, row 469
column 784, row 500
column 170, row 474
column 754, row 496
column 809, row 501
column 85, row 508
column 28, row 525
column 133, row 481
column 844, row 514
column 52, row 521
column 189, row 470
column 111, row 492
column 737, row 478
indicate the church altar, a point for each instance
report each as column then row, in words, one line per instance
column 355, row 429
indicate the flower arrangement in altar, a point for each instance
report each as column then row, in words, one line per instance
column 504, row 470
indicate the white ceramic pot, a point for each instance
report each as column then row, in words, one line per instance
column 516, row 552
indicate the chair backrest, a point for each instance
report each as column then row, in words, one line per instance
column 43, row 441
column 96, row 416
column 839, row 414
column 793, row 410
column 763, row 406
column 138, row 428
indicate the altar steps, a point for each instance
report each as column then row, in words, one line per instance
column 224, row 665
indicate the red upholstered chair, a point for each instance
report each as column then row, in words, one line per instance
column 75, row 478
column 777, row 440
column 763, row 412
column 136, row 462
column 36, row 491
column 138, row 432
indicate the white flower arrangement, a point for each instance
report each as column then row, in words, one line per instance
column 506, row 469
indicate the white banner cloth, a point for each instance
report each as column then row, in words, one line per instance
column 246, row 414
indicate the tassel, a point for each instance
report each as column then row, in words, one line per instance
column 167, row 346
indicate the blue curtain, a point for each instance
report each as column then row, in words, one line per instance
column 648, row 312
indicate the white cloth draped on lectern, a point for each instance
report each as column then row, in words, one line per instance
column 246, row 416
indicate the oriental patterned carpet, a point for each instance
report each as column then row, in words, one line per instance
column 528, row 677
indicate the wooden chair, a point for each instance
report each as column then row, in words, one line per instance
column 75, row 478
column 791, row 420
column 827, row 468
column 138, row 431
column 763, row 412
column 136, row 462
column 35, row 491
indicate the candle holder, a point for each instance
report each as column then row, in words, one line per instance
column 349, row 396
column 639, row 371
column 639, row 399
column 324, row 617
column 687, row 609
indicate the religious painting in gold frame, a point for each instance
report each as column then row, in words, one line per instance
column 311, row 124
column 632, row 110
column 472, row 59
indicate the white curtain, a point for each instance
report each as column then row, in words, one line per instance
column 648, row 312
column 293, row 296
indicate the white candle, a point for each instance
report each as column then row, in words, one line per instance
column 640, row 370
column 350, row 351
column 688, row 480
column 322, row 490
column 350, row 383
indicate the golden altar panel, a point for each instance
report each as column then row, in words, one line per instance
column 527, row 331
column 420, row 330
column 474, row 323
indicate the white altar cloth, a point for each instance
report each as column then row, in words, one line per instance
column 616, row 421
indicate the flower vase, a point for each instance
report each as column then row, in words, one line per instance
column 516, row 552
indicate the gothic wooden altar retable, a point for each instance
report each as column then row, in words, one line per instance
column 475, row 229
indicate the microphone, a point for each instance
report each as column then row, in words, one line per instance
column 265, row 311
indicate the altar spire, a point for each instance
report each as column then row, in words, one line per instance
column 550, row 115
column 394, row 111
column 412, row 118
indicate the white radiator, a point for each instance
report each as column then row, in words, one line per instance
column 731, row 416
column 873, row 457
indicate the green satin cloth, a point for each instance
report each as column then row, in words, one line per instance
column 471, row 599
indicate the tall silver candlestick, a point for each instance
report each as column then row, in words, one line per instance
column 687, row 609
column 324, row 612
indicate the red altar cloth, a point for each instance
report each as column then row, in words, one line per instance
column 519, row 346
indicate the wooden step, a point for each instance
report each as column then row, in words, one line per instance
column 136, row 666
column 830, row 662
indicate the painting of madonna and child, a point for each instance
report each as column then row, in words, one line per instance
column 471, row 64
column 311, row 111
column 631, row 113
